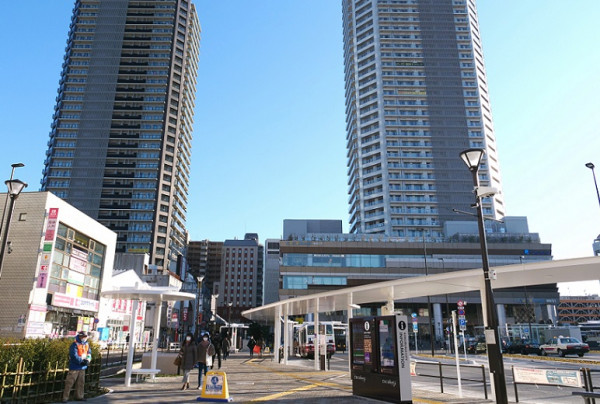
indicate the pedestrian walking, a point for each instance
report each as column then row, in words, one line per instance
column 80, row 356
column 189, row 358
column 225, row 346
column 251, row 345
column 218, row 344
column 204, row 352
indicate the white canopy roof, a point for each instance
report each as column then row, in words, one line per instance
column 536, row 273
column 148, row 293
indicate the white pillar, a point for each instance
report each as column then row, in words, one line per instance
column 277, row 330
column 316, row 339
column 438, row 321
column 132, row 322
column 286, row 334
column 156, row 331
column 501, row 318
column 349, row 315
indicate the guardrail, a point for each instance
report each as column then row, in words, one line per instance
column 440, row 374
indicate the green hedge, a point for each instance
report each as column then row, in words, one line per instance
column 39, row 351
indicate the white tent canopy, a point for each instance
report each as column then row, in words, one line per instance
column 143, row 291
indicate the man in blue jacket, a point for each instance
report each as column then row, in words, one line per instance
column 80, row 356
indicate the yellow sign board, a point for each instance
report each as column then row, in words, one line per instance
column 215, row 387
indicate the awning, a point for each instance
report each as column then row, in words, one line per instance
column 536, row 273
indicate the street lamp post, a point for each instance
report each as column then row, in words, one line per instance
column 472, row 158
column 12, row 173
column 591, row 167
column 14, row 189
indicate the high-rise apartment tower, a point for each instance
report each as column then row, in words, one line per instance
column 416, row 96
column 120, row 142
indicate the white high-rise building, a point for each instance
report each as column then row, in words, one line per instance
column 416, row 96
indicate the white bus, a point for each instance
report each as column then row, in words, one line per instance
column 306, row 337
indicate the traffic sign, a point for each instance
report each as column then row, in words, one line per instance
column 415, row 328
column 461, row 312
column 414, row 315
column 460, row 303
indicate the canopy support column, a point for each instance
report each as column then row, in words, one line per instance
column 349, row 315
column 277, row 330
column 156, row 331
column 286, row 335
column 316, row 339
column 132, row 339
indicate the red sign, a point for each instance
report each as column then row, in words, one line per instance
column 185, row 314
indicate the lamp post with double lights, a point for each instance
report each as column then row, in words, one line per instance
column 14, row 189
column 472, row 158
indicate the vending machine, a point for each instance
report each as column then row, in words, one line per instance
column 380, row 358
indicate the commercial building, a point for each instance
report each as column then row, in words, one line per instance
column 416, row 96
column 120, row 143
column 59, row 262
column 241, row 284
column 579, row 309
column 317, row 262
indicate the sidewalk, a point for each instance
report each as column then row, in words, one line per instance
column 255, row 380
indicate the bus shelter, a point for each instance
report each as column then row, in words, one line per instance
column 145, row 292
column 509, row 276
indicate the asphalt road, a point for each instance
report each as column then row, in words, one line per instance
column 472, row 375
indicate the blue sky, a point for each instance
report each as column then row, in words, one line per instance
column 269, row 139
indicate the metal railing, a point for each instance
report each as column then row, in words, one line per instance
column 441, row 376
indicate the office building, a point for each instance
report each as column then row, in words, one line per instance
column 204, row 259
column 271, row 272
column 60, row 261
column 120, row 141
column 241, row 283
column 416, row 96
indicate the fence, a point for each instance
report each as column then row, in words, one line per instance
column 30, row 383
column 440, row 374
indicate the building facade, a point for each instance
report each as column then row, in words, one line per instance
column 204, row 259
column 579, row 309
column 61, row 260
column 317, row 262
column 241, row 283
column 120, row 143
column 271, row 272
column 416, row 96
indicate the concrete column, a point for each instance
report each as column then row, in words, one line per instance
column 501, row 317
column 286, row 334
column 438, row 321
column 156, row 331
column 277, row 331
column 349, row 315
column 316, row 328
column 131, row 351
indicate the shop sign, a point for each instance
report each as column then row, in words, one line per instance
column 62, row 300
column 35, row 328
column 51, row 224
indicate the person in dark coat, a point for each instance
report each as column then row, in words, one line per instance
column 80, row 356
column 251, row 345
column 188, row 359
column 225, row 346
column 204, row 352
column 218, row 344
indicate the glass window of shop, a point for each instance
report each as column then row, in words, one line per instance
column 76, row 264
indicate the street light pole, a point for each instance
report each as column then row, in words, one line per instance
column 14, row 189
column 472, row 158
column 12, row 173
column 591, row 167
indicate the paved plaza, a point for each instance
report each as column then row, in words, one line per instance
column 260, row 379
